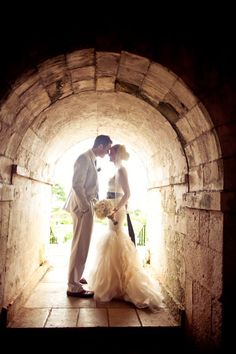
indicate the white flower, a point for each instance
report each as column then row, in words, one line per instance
column 103, row 209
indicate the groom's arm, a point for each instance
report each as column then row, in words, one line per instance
column 78, row 182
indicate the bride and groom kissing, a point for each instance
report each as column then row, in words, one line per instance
column 117, row 272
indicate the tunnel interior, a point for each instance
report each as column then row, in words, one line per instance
column 76, row 96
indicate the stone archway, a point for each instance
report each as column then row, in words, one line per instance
column 84, row 93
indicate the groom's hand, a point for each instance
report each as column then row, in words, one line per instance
column 85, row 211
column 94, row 201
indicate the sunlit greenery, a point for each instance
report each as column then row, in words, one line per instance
column 61, row 222
column 58, row 192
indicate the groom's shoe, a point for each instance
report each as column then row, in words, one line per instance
column 82, row 294
column 83, row 281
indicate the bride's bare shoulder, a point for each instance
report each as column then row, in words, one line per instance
column 122, row 171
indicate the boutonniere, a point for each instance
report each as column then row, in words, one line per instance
column 98, row 169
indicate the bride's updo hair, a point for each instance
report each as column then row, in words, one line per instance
column 121, row 153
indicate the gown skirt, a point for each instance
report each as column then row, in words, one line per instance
column 117, row 271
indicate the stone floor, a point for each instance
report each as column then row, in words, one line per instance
column 49, row 307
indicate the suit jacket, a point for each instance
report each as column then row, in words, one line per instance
column 84, row 183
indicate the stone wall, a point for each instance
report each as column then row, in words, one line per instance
column 26, row 236
column 186, row 137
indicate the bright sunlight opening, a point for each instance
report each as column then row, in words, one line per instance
column 61, row 222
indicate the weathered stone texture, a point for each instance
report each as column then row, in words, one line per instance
column 83, row 85
column 107, row 64
column 132, row 69
column 203, row 200
column 28, row 230
column 199, row 120
column 185, row 130
column 35, row 98
column 25, row 81
column 10, row 109
column 105, row 84
column 158, row 82
column 5, row 170
column 201, row 312
column 4, row 225
column 192, row 220
column 196, row 178
column 143, row 104
column 56, row 77
column 216, row 231
column 181, row 97
column 80, row 58
column 204, row 219
column 7, row 192
column 52, row 70
column 213, row 175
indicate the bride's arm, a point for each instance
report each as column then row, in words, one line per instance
column 123, row 180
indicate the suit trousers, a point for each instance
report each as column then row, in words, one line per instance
column 82, row 231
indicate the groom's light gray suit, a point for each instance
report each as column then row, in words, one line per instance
column 80, row 204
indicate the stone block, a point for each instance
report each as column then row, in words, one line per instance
column 32, row 142
column 132, row 69
column 127, row 76
column 107, row 64
column 216, row 320
column 84, row 85
column 183, row 97
column 199, row 119
column 83, row 74
column 201, row 313
column 52, row 70
column 158, row 82
column 60, row 88
column 36, row 106
column 105, row 84
column 5, row 169
column 23, row 120
column 192, row 216
column 216, row 231
column 134, row 62
column 203, row 200
column 4, row 217
column 80, row 58
column 25, row 81
column 196, row 178
column 204, row 227
column 185, row 130
column 213, row 175
column 189, row 301
column 10, row 109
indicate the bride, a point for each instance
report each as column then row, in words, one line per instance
column 117, row 272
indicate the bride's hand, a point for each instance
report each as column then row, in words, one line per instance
column 111, row 216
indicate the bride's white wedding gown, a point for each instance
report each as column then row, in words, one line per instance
column 117, row 271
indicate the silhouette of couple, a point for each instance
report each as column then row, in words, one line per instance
column 117, row 272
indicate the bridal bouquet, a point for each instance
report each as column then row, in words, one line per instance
column 103, row 209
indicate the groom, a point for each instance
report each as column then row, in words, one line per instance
column 80, row 204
